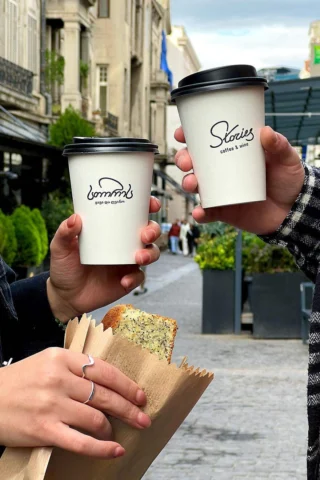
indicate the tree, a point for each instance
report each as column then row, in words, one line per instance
column 8, row 241
column 70, row 124
column 40, row 224
column 28, row 238
column 55, row 210
column 54, row 70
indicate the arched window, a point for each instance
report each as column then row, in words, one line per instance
column 32, row 36
column 12, row 31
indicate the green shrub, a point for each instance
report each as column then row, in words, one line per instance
column 3, row 233
column 8, row 241
column 70, row 124
column 28, row 238
column 40, row 224
column 259, row 257
column 218, row 253
column 10, row 249
column 55, row 210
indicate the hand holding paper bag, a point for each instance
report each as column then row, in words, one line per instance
column 43, row 395
column 171, row 394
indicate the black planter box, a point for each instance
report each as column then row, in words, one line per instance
column 218, row 301
column 276, row 305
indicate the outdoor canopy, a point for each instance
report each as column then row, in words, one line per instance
column 293, row 109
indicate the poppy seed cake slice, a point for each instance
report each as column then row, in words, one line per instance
column 153, row 332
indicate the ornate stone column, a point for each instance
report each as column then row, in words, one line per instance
column 71, row 52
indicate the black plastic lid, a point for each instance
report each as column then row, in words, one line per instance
column 84, row 145
column 231, row 76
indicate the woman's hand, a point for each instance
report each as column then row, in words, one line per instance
column 285, row 176
column 42, row 404
column 74, row 289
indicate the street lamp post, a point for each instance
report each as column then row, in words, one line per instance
column 238, row 285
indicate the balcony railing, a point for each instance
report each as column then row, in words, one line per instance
column 111, row 122
column 15, row 77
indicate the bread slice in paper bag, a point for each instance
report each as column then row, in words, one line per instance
column 153, row 332
column 171, row 391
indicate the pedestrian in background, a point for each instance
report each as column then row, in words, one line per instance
column 142, row 288
column 185, row 228
column 190, row 241
column 196, row 236
column 174, row 234
column 193, row 237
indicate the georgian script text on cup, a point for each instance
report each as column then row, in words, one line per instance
column 110, row 188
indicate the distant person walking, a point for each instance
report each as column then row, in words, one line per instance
column 185, row 228
column 196, row 236
column 174, row 234
column 142, row 288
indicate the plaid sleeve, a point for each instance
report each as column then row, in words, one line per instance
column 300, row 231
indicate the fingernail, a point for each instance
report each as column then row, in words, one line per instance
column 143, row 420
column 72, row 220
column 129, row 285
column 141, row 397
column 144, row 258
column 179, row 156
column 150, row 235
column 158, row 201
column 119, row 452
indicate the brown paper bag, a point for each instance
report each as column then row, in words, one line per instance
column 172, row 392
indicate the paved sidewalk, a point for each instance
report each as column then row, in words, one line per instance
column 252, row 421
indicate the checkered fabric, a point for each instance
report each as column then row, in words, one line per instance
column 300, row 233
column 7, row 310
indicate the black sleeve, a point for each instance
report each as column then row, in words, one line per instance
column 38, row 328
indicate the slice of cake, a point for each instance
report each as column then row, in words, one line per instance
column 153, row 332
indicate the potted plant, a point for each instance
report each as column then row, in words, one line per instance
column 216, row 258
column 30, row 245
column 275, row 292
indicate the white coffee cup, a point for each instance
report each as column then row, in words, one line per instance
column 111, row 182
column 222, row 112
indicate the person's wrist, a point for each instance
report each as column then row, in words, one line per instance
column 61, row 309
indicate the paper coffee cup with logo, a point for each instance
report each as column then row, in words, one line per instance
column 222, row 111
column 111, row 182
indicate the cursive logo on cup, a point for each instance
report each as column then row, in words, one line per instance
column 223, row 134
column 110, row 188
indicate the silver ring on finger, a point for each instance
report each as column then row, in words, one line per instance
column 90, row 364
column 93, row 387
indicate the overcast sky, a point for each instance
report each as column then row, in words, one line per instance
column 259, row 32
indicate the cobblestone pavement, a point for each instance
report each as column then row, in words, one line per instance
column 251, row 423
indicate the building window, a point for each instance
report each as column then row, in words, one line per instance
column 32, row 43
column 103, row 89
column 12, row 29
column 104, row 8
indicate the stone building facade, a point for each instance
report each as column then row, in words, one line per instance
column 105, row 58
column 130, row 91
column 22, row 91
column 69, row 27
column 183, row 61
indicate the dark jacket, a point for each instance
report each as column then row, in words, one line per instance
column 26, row 321
column 174, row 230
